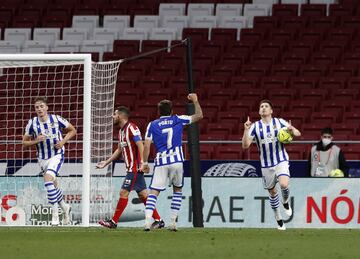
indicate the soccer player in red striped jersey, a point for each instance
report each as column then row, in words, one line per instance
column 131, row 147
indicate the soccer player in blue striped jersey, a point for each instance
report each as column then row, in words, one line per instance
column 273, row 157
column 45, row 133
column 166, row 134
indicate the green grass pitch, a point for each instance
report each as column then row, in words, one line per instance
column 68, row 243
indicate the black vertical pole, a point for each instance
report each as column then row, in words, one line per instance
column 194, row 148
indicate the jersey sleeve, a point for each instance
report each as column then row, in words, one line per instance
column 63, row 123
column 29, row 128
column 252, row 131
column 283, row 123
column 135, row 132
column 148, row 133
column 185, row 119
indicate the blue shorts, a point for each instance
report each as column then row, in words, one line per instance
column 134, row 181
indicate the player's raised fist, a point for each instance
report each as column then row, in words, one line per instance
column 247, row 123
column 193, row 97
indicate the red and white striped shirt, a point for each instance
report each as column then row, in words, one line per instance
column 128, row 136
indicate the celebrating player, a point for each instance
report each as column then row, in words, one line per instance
column 45, row 133
column 166, row 133
column 131, row 147
column 273, row 156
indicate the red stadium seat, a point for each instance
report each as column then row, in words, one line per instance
column 297, row 118
column 31, row 10
column 303, row 105
column 127, row 82
column 283, row 34
column 326, row 116
column 224, row 128
column 214, row 81
column 274, row 82
column 285, row 9
column 294, row 58
column 212, row 105
column 316, row 95
column 230, row 117
column 277, row 45
column 312, row 70
column 142, row 9
column 295, row 152
column 334, row 105
column 331, row 83
column 312, row 35
column 160, row 94
column 196, row 34
column 343, row 70
column 284, row 70
column 351, row 59
column 213, row 136
column 302, row 47
column 283, row 94
column 229, row 152
column 345, row 95
column 314, row 128
column 154, row 82
column 255, row 70
column 251, row 94
column 241, row 106
column 164, row 70
column 350, row 22
column 114, row 9
column 322, row 58
column 225, row 35
column 225, row 70
column 213, row 48
column 322, row 22
column 149, row 45
column 126, row 48
column 86, row 9
column 295, row 22
column 265, row 58
column 351, row 153
column 340, row 10
column 206, row 151
column 349, row 128
column 341, row 34
column 354, row 83
column 222, row 94
column 353, row 116
column 234, row 58
column 25, row 21
column 242, row 47
column 244, row 82
column 313, row 10
column 268, row 22
column 252, row 35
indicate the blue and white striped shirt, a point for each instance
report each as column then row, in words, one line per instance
column 166, row 134
column 52, row 130
column 272, row 152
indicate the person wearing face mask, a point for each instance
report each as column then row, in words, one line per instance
column 325, row 156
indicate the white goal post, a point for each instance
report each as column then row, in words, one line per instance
column 79, row 90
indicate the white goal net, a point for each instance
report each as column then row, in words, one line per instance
column 82, row 93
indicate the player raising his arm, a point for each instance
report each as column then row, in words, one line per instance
column 45, row 133
column 273, row 156
column 166, row 134
column 131, row 147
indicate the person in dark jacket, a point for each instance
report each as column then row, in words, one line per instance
column 326, row 157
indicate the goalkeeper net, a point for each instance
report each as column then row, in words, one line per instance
column 81, row 92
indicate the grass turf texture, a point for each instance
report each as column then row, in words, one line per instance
column 68, row 243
